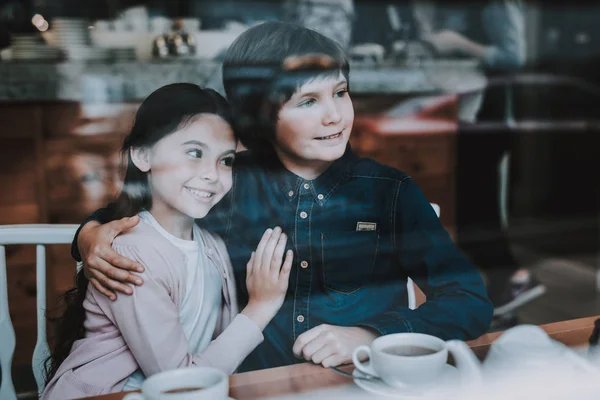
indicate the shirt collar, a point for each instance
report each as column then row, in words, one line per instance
column 322, row 187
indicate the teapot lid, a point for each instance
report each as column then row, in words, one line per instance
column 526, row 338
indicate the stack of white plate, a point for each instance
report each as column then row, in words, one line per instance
column 32, row 47
column 123, row 54
column 70, row 32
column 73, row 37
column 86, row 53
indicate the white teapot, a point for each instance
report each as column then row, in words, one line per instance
column 521, row 356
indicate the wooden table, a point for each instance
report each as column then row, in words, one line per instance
column 307, row 377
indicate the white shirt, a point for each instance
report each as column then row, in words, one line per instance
column 199, row 309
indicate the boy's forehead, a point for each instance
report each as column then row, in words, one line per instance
column 321, row 82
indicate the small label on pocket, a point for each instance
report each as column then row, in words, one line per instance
column 366, row 226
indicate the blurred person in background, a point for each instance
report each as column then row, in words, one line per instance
column 15, row 16
column 492, row 32
column 331, row 18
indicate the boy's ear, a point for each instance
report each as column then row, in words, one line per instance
column 141, row 158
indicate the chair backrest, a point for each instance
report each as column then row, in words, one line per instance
column 39, row 235
column 410, row 285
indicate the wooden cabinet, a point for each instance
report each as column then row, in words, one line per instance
column 427, row 158
column 21, row 175
column 58, row 163
column 82, row 175
column 78, row 120
column 423, row 145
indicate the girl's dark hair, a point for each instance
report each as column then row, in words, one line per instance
column 163, row 112
column 263, row 68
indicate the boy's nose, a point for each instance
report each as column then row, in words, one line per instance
column 332, row 115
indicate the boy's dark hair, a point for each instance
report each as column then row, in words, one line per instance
column 265, row 66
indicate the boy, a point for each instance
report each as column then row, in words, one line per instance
column 358, row 228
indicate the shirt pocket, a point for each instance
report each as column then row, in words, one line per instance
column 348, row 259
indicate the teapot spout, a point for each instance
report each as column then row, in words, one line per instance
column 468, row 365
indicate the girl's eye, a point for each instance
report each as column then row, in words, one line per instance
column 341, row 93
column 307, row 103
column 196, row 153
column 228, row 161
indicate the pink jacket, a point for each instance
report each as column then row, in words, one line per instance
column 143, row 330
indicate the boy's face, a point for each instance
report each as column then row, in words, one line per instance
column 314, row 125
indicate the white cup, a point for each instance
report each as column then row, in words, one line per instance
column 172, row 384
column 403, row 371
column 119, row 25
column 160, row 25
column 102, row 26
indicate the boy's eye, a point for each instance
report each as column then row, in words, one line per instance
column 307, row 103
column 196, row 153
column 341, row 93
column 228, row 161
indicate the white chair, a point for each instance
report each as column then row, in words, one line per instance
column 410, row 285
column 39, row 235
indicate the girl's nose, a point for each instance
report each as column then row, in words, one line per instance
column 209, row 172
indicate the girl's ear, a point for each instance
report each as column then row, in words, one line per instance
column 141, row 158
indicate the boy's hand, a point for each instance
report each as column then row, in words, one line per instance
column 331, row 345
column 105, row 268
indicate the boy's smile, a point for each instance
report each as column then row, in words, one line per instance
column 333, row 139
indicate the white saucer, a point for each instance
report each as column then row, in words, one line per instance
column 443, row 385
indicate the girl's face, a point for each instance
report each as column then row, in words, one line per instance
column 314, row 126
column 190, row 169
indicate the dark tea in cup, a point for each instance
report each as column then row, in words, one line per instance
column 408, row 350
column 183, row 390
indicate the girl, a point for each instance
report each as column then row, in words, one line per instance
column 179, row 158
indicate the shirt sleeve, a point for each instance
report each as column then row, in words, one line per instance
column 218, row 220
column 103, row 215
column 149, row 322
column 504, row 23
column 457, row 305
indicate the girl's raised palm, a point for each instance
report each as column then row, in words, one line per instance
column 267, row 276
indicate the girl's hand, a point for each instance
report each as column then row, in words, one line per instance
column 266, row 278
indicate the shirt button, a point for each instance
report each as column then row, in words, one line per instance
column 209, row 252
column 320, row 196
column 291, row 193
column 304, row 264
column 306, row 186
column 300, row 318
column 303, row 215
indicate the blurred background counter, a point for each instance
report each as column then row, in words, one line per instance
column 133, row 81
